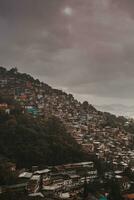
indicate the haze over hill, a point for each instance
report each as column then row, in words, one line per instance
column 117, row 109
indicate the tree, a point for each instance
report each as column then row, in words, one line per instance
column 13, row 70
column 115, row 193
column 85, row 105
column 85, row 191
column 28, row 141
column 2, row 70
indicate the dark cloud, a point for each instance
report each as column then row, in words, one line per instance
column 84, row 46
column 125, row 5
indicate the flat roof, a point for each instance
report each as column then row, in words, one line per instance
column 39, row 194
column 25, row 175
column 51, row 187
column 42, row 171
column 35, row 177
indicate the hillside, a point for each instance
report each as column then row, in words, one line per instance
column 98, row 133
column 27, row 141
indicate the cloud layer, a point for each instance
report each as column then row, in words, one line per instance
column 84, row 46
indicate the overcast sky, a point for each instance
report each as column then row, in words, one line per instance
column 85, row 47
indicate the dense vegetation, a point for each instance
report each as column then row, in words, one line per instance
column 28, row 141
column 120, row 121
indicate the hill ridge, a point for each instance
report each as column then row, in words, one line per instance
column 97, row 132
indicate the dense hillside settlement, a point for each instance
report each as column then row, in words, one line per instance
column 54, row 147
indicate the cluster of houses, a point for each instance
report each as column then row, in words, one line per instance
column 54, row 182
column 110, row 144
column 83, row 122
column 66, row 181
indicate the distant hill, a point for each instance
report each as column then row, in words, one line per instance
column 117, row 109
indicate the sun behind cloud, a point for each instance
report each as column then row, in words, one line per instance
column 67, row 11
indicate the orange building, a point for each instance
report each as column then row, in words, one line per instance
column 129, row 196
